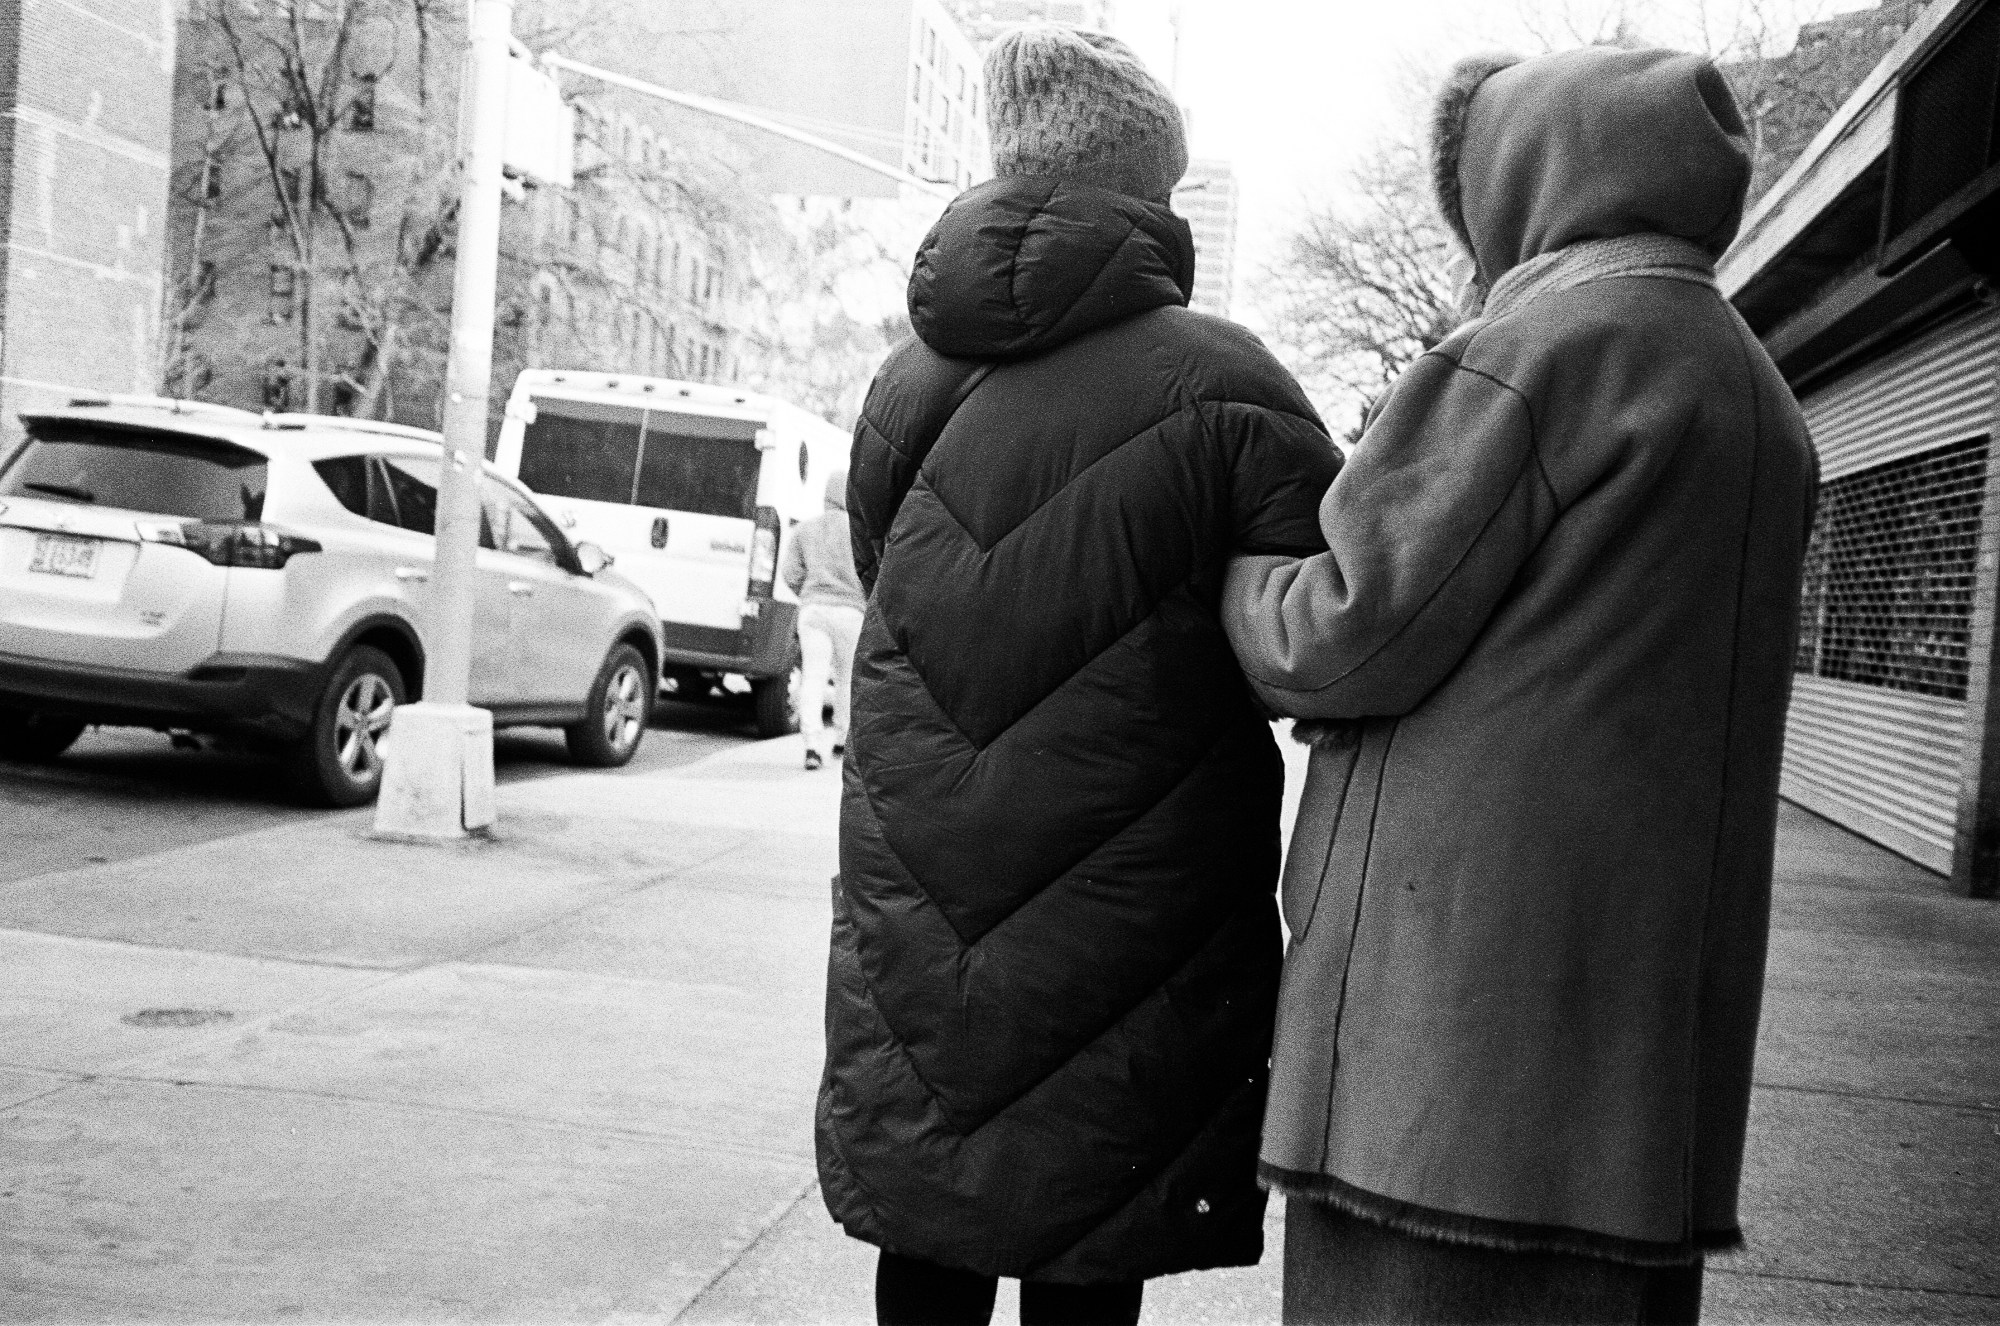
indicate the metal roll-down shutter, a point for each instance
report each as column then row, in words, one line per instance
column 1878, row 717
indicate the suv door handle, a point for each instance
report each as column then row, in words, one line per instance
column 410, row 573
column 521, row 587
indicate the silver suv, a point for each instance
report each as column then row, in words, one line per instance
column 196, row 568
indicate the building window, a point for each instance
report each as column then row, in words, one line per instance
column 361, row 111
column 283, row 293
column 277, row 382
column 218, row 90
column 1890, row 570
column 360, row 199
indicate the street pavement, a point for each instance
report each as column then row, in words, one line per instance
column 290, row 1073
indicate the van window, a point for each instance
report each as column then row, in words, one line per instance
column 656, row 458
column 581, row 449
column 137, row 469
column 712, row 476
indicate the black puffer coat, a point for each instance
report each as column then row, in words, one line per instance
column 1055, row 951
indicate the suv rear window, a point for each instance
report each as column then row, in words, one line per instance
column 137, row 469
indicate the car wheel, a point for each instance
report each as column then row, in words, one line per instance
column 777, row 703
column 339, row 762
column 621, row 703
column 32, row 737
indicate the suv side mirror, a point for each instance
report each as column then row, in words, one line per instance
column 592, row 558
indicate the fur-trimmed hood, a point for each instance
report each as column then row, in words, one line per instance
column 1530, row 156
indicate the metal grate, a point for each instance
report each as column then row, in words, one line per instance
column 1890, row 570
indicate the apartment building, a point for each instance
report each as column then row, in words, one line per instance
column 1207, row 197
column 984, row 20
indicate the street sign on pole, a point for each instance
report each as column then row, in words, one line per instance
column 437, row 779
column 541, row 127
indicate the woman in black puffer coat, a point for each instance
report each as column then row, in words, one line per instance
column 1055, row 950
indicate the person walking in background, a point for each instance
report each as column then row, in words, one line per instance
column 1529, row 886
column 1055, row 945
column 819, row 568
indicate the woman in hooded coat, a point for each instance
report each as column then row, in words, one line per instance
column 1055, row 945
column 1529, row 887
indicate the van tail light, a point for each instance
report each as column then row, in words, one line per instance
column 764, row 553
column 229, row 543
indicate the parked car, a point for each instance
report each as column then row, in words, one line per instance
column 195, row 568
column 693, row 486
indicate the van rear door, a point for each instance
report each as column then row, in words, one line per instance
column 671, row 495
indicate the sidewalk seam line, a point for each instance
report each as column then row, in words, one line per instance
column 1972, row 1107
column 456, row 1111
column 1849, row 1284
column 747, row 1249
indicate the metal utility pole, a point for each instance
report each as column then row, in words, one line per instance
column 437, row 779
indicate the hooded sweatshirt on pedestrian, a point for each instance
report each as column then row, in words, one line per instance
column 819, row 555
column 1055, row 947
column 1528, row 890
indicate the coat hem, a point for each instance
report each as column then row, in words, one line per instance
column 1498, row 1235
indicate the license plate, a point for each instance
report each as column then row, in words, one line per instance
column 61, row 555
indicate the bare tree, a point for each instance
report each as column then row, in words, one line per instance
column 353, row 226
column 1363, row 286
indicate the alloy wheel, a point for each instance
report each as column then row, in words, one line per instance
column 359, row 721
column 624, row 707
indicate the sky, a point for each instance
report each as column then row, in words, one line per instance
column 1293, row 92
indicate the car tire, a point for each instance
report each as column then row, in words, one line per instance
column 339, row 761
column 776, row 701
column 620, row 706
column 36, row 738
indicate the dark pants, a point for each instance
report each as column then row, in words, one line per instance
column 909, row 1292
column 1342, row 1269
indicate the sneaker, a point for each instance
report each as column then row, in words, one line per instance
column 813, row 761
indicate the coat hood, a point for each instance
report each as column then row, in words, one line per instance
column 1531, row 156
column 1021, row 265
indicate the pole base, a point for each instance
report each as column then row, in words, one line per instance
column 437, row 772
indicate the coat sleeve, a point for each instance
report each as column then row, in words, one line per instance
column 793, row 564
column 1282, row 465
column 1442, row 502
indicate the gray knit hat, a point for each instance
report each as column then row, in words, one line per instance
column 1066, row 101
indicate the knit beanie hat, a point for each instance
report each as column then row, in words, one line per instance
column 1079, row 104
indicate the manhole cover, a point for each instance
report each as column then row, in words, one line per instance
column 176, row 1017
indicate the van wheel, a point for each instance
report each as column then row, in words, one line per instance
column 621, row 703
column 777, row 703
column 35, row 738
column 339, row 762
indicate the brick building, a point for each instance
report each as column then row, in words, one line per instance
column 895, row 79
column 84, row 88
column 1786, row 98
column 311, row 244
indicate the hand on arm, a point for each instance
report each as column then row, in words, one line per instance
column 1426, row 527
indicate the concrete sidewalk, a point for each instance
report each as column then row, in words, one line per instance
column 567, row 1076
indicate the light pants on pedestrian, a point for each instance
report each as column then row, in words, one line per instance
column 826, row 650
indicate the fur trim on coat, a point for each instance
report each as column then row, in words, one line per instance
column 1448, row 135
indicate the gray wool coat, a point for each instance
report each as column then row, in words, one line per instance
column 1528, row 890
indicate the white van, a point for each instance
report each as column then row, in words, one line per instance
column 690, row 487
